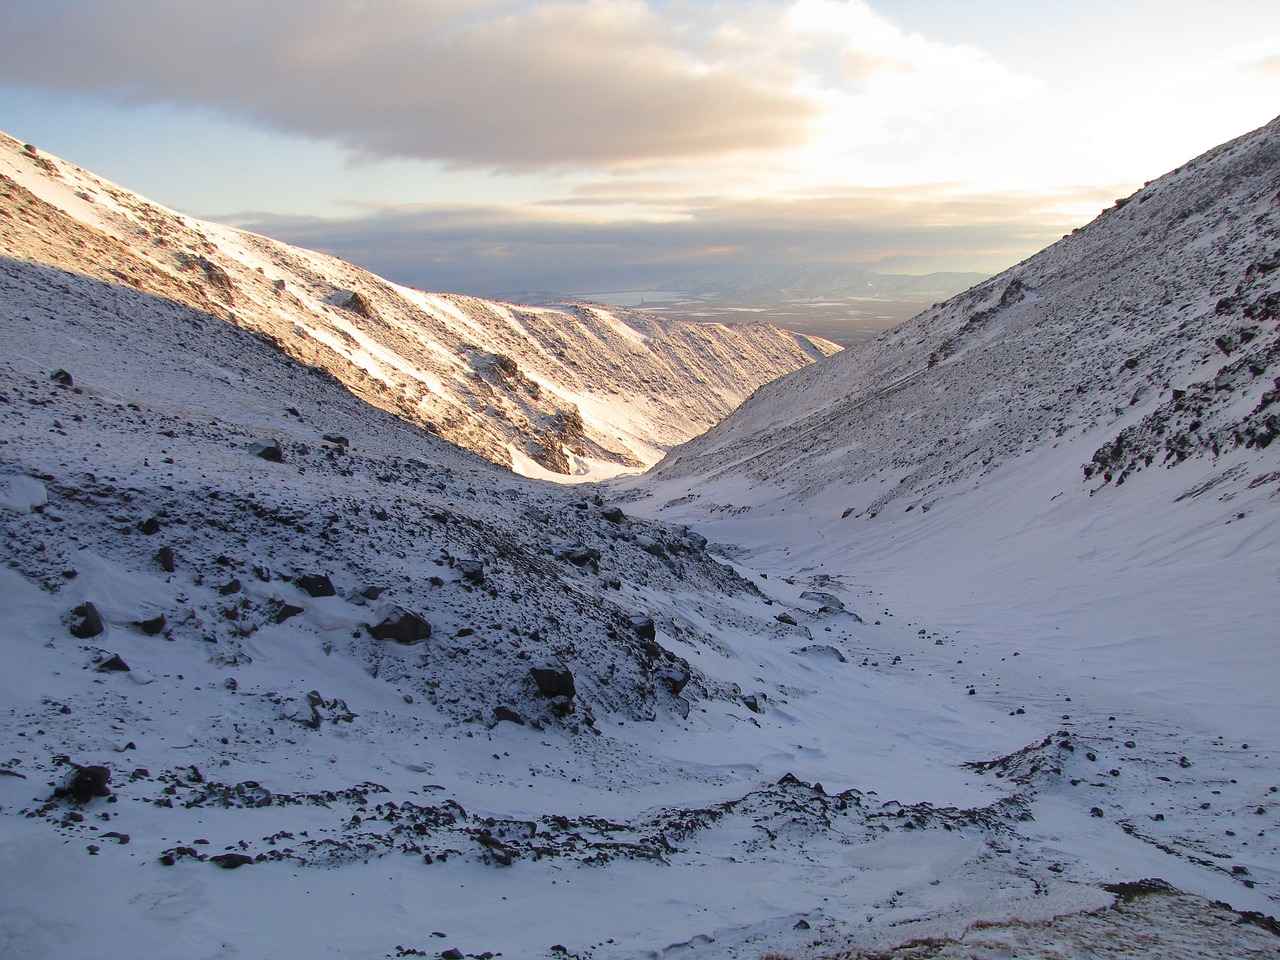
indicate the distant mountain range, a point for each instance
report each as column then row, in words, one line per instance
column 842, row 304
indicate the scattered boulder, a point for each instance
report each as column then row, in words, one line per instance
column 230, row 587
column 501, row 713
column 553, row 680
column 786, row 618
column 151, row 627
column 85, row 783
column 317, row 585
column 230, row 861
column 674, row 678
column 287, row 610
column 149, row 526
column 752, row 703
column 644, row 627
column 61, row 378
column 472, row 571
column 583, row 556
column 88, row 621
column 373, row 593
column 164, row 557
column 269, row 450
column 613, row 514
column 337, row 439
column 406, row 628
column 114, row 664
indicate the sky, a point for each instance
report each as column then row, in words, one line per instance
column 488, row 146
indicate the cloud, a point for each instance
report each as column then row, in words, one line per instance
column 508, row 83
column 491, row 249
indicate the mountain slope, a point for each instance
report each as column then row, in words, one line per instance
column 1159, row 315
column 574, row 391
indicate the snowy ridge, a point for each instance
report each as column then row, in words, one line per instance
column 581, row 391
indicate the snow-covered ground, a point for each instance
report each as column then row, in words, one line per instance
column 948, row 716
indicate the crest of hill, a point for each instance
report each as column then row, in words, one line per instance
column 579, row 390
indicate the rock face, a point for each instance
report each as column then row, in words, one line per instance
column 561, row 390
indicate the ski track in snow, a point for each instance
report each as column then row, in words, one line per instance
column 992, row 693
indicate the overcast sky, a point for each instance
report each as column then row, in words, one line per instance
column 493, row 145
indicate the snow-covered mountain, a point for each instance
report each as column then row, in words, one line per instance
column 579, row 390
column 287, row 676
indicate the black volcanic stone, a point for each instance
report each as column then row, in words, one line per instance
column 317, row 584
column 88, row 621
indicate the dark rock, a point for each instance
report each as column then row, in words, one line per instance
column 613, row 514
column 453, row 953
column 164, row 557
column 553, row 680
column 88, row 622
column 336, row 438
column 151, row 627
column 115, row 664
column 472, row 571
column 232, row 586
column 752, row 703
column 786, row 618
column 61, row 378
column 582, row 556
column 373, row 593
column 506, row 713
column 644, row 627
column 230, row 861
column 269, row 450
column 317, row 585
column 85, row 783
column 286, row 611
column 121, row 838
column 675, row 679
column 404, row 628
column 149, row 526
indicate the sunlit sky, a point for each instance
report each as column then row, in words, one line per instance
column 486, row 146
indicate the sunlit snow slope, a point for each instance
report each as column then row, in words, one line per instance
column 580, row 391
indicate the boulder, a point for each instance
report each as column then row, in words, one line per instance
column 786, row 618
column 402, row 627
column 115, row 664
column 230, row 861
column 88, row 621
column 472, row 571
column 164, row 557
column 644, row 627
column 317, row 585
column 85, row 783
column 501, row 713
column 285, row 611
column 553, row 680
column 151, row 627
column 61, row 378
column 269, row 450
